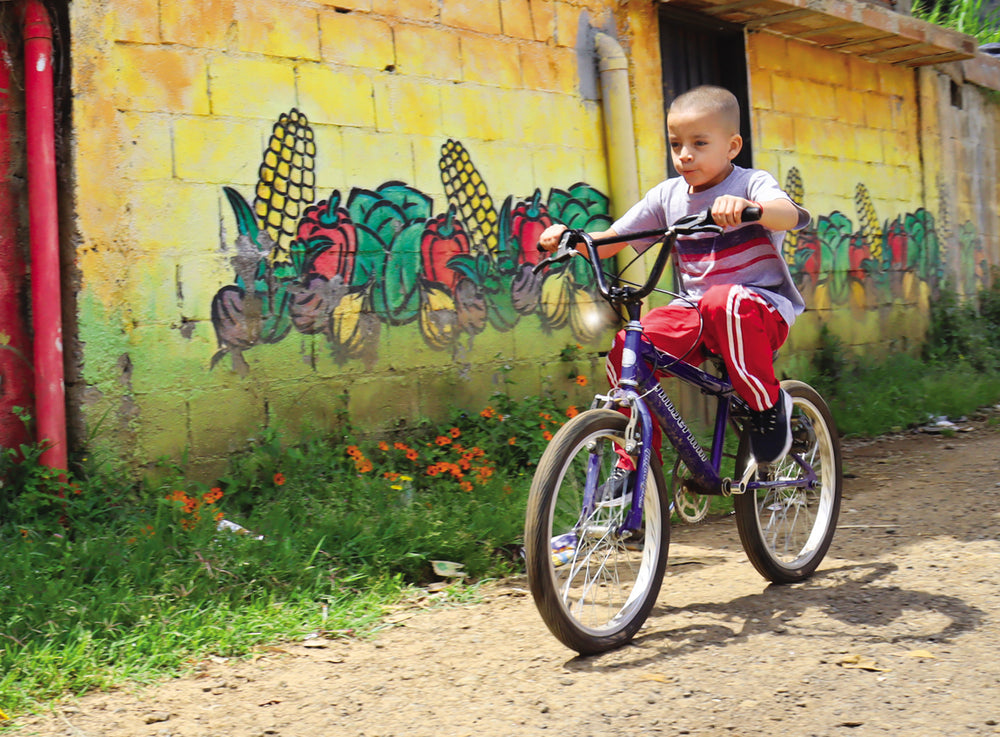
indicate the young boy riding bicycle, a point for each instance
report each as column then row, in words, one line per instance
column 739, row 296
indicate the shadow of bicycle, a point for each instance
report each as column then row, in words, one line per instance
column 851, row 603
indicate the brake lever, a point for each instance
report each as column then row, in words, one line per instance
column 562, row 253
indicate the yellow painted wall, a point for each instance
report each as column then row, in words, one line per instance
column 199, row 148
column 175, row 101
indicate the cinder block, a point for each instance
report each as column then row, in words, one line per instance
column 139, row 22
column 412, row 9
column 472, row 112
column 818, row 64
column 215, row 25
column 383, row 400
column 567, row 21
column 562, row 166
column 356, row 40
column 543, row 19
column 430, row 52
column 222, row 420
column 172, row 216
column 490, row 61
column 549, row 68
column 472, row 15
column 408, row 105
column 371, row 159
column 529, row 116
column 339, row 97
column 515, row 17
column 251, row 88
column 776, row 131
column 760, row 91
column 155, row 79
column 216, row 150
column 276, row 28
column 329, row 159
column 869, row 145
column 767, row 51
column 853, row 106
column 145, row 141
column 365, row 5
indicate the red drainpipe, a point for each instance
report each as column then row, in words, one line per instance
column 43, row 218
column 15, row 343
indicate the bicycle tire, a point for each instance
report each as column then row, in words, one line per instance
column 598, row 598
column 787, row 532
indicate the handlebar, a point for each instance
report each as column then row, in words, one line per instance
column 701, row 222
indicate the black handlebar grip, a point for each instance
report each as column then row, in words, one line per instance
column 751, row 214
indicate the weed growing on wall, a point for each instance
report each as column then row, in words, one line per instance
column 973, row 17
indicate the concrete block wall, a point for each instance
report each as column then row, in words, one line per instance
column 176, row 101
column 173, row 119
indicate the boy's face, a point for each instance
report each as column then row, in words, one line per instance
column 701, row 147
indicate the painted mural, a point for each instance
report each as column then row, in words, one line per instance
column 878, row 261
column 347, row 267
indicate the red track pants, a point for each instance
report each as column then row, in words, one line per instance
column 739, row 325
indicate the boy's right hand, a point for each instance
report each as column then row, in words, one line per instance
column 549, row 239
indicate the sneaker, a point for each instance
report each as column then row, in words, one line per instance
column 615, row 487
column 771, row 430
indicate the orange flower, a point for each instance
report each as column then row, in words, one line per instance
column 455, row 432
column 383, row 446
column 433, row 470
column 400, row 446
column 581, row 380
column 363, row 465
column 545, row 416
column 465, row 486
column 442, row 440
column 511, row 441
column 211, row 497
column 412, row 454
column 353, row 450
column 572, row 412
column 279, row 479
column 547, row 435
column 487, row 413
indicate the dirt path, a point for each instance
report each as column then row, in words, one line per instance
column 898, row 634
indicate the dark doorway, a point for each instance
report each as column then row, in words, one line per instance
column 696, row 50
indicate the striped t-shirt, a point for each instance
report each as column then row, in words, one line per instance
column 749, row 254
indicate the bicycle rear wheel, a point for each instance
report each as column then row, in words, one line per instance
column 593, row 586
column 786, row 531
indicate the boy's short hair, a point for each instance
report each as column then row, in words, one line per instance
column 716, row 101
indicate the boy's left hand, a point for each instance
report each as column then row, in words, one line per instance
column 727, row 210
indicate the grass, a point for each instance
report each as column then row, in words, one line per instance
column 104, row 581
column 965, row 16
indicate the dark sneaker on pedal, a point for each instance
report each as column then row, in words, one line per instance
column 615, row 487
column 771, row 430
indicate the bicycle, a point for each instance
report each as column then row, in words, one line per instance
column 595, row 565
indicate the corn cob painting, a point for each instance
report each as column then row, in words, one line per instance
column 349, row 264
column 344, row 266
column 834, row 261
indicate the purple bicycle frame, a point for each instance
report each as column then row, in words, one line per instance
column 639, row 389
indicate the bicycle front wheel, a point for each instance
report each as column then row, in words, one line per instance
column 593, row 584
column 787, row 530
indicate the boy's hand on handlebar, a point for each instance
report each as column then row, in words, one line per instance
column 727, row 210
column 549, row 239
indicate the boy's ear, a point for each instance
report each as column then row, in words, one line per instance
column 735, row 146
